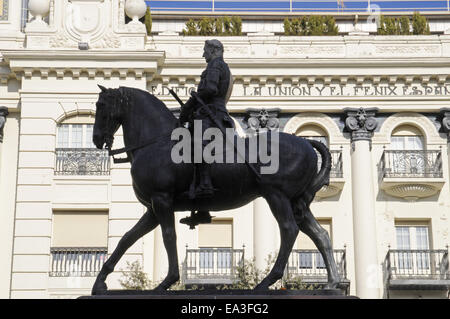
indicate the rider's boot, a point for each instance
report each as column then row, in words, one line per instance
column 201, row 217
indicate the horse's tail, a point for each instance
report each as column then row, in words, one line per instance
column 320, row 179
column 323, row 176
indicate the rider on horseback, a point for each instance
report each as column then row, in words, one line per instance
column 214, row 90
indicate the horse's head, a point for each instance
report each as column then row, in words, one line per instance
column 108, row 116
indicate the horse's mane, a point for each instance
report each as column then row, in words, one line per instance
column 129, row 93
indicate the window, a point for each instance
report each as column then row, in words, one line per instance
column 76, row 154
column 75, row 136
column 407, row 137
column 413, row 247
column 408, row 156
column 309, row 256
column 4, row 9
column 79, row 243
column 313, row 132
column 216, row 241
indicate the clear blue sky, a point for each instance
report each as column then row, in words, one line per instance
column 296, row 5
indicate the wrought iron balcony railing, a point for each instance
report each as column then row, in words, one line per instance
column 82, row 161
column 76, row 261
column 310, row 266
column 212, row 265
column 411, row 164
column 418, row 264
column 336, row 163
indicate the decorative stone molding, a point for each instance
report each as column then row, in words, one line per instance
column 3, row 114
column 361, row 123
column 85, row 24
column 411, row 191
column 88, row 63
column 262, row 119
column 321, row 120
column 383, row 136
column 335, row 187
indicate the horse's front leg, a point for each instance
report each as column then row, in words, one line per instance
column 147, row 223
column 163, row 206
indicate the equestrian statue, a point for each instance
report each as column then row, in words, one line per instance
column 165, row 187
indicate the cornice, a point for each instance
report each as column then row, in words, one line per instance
column 321, row 63
column 73, row 63
column 111, row 55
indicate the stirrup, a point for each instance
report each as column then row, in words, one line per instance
column 194, row 220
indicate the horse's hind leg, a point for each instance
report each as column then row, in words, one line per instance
column 162, row 204
column 311, row 227
column 146, row 224
column 282, row 210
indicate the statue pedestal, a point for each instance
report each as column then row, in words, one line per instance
column 223, row 294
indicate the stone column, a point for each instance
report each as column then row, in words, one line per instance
column 361, row 123
column 266, row 238
column 3, row 114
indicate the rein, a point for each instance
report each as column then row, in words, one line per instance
column 132, row 148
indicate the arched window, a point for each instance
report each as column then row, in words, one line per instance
column 76, row 132
column 76, row 154
column 407, row 156
column 313, row 132
column 407, row 137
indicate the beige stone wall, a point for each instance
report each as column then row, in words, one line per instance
column 45, row 84
column 8, row 177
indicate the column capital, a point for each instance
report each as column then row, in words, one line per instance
column 262, row 119
column 361, row 123
column 3, row 113
column 444, row 116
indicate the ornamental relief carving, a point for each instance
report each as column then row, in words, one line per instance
column 61, row 40
column 238, row 50
column 86, row 21
column 194, row 50
column 396, row 50
column 109, row 40
column 312, row 50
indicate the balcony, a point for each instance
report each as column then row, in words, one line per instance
column 417, row 269
column 336, row 176
column 82, row 161
column 212, row 266
column 77, row 261
column 309, row 266
column 411, row 174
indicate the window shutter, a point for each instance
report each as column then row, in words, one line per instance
column 217, row 234
column 80, row 229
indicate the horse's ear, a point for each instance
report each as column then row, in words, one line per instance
column 101, row 88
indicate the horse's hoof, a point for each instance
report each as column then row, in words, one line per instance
column 332, row 285
column 160, row 289
column 261, row 288
column 99, row 288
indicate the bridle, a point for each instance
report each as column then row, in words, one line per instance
column 120, row 101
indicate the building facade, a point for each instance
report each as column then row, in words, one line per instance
column 381, row 104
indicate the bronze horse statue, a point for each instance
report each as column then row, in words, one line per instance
column 159, row 183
